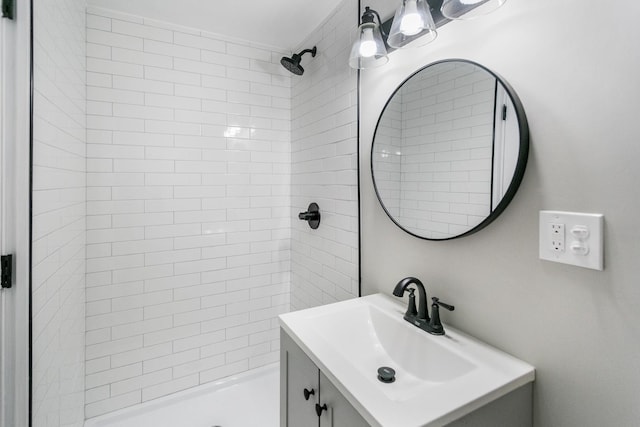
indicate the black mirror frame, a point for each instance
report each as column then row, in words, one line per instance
column 521, row 165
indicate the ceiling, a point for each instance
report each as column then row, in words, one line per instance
column 279, row 23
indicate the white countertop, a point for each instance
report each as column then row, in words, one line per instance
column 439, row 378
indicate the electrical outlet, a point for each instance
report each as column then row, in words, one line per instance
column 557, row 237
column 582, row 245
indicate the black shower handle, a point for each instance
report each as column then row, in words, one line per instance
column 309, row 216
column 312, row 215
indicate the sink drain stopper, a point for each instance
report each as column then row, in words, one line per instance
column 386, row 374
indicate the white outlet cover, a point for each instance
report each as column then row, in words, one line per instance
column 584, row 238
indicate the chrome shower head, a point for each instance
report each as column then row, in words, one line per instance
column 293, row 64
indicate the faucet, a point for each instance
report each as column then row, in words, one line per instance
column 400, row 289
column 420, row 317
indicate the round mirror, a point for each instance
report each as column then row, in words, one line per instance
column 449, row 150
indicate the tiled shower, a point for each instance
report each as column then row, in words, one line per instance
column 170, row 165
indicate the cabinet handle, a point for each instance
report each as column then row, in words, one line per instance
column 319, row 408
column 308, row 393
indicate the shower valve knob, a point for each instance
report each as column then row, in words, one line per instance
column 312, row 215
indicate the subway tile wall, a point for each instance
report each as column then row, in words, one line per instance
column 58, row 239
column 387, row 156
column 324, row 262
column 188, row 211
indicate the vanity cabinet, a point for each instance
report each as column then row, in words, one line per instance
column 298, row 374
column 304, row 390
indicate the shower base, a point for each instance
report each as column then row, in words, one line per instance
column 245, row 400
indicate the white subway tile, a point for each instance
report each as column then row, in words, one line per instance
column 200, row 92
column 170, row 49
column 142, row 85
column 173, row 128
column 142, row 112
column 172, row 308
column 145, row 139
column 199, row 42
column 126, row 165
column 143, row 31
column 199, row 340
column 199, row 67
column 98, row 51
column 141, row 300
column 112, row 347
column 138, row 382
column 99, row 79
column 98, row 22
column 156, row 258
column 163, row 389
column 112, row 404
column 112, row 39
column 97, row 394
column 140, row 354
column 171, row 360
column 227, row 60
column 140, row 58
column 223, row 371
column 142, row 192
column 173, row 76
column 141, row 327
column 172, row 334
column 142, row 273
column 114, row 95
column 98, row 65
column 141, row 246
column 173, row 102
column 97, row 337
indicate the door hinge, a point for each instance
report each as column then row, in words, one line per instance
column 8, row 9
column 6, row 263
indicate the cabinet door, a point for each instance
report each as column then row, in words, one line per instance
column 297, row 373
column 339, row 412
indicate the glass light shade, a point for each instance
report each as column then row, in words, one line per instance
column 412, row 21
column 469, row 9
column 369, row 50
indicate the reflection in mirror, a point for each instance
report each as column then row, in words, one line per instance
column 449, row 150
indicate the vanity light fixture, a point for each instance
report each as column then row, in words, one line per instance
column 370, row 49
column 413, row 25
column 469, row 9
column 412, row 21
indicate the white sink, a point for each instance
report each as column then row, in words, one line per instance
column 438, row 378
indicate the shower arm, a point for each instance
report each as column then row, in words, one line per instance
column 311, row 51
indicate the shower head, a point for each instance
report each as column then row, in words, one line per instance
column 293, row 64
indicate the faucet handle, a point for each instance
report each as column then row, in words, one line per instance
column 412, row 311
column 436, row 301
column 435, row 325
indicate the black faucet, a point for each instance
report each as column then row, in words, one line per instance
column 401, row 287
column 421, row 319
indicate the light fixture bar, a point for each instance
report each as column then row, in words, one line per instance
column 372, row 47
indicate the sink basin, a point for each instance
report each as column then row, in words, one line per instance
column 438, row 378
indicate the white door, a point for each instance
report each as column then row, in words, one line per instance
column 14, row 214
column 6, row 130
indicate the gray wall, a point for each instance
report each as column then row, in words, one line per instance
column 579, row 86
